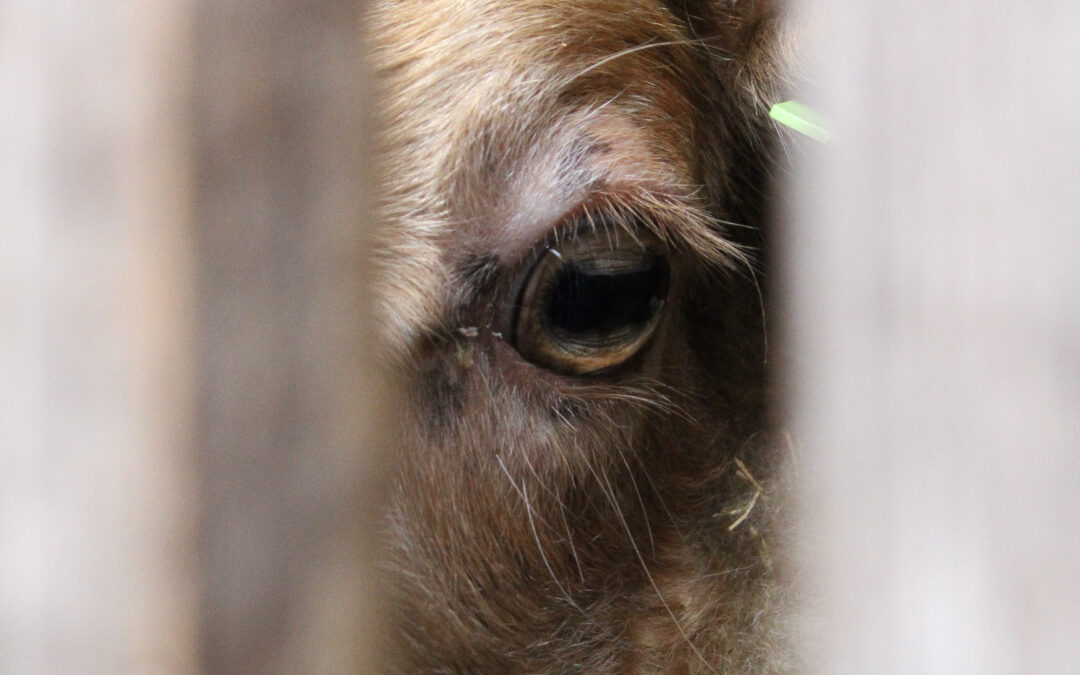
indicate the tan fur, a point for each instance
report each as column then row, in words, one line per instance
column 543, row 522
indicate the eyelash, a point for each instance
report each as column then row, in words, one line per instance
column 589, row 301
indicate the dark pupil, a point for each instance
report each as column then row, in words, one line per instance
column 592, row 299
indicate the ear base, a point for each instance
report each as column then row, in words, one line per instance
column 766, row 49
column 755, row 38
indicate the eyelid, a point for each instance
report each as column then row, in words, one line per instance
column 584, row 219
column 612, row 339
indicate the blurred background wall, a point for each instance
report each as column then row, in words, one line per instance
column 188, row 438
column 933, row 293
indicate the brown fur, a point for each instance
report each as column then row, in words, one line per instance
column 544, row 522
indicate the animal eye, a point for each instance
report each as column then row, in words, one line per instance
column 590, row 303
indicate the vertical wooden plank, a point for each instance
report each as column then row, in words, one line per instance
column 288, row 398
column 189, row 414
column 96, row 477
column 933, row 286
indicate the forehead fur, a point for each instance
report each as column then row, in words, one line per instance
column 499, row 117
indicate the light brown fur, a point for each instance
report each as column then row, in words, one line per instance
column 545, row 522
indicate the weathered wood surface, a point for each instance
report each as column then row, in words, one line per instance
column 934, row 287
column 186, row 396
column 288, row 397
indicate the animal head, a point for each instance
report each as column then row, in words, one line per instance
column 572, row 196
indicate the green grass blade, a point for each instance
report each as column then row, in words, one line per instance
column 802, row 119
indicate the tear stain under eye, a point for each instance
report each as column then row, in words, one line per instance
column 439, row 390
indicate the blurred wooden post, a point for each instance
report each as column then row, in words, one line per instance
column 97, row 570
column 934, row 285
column 189, row 414
column 289, row 399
